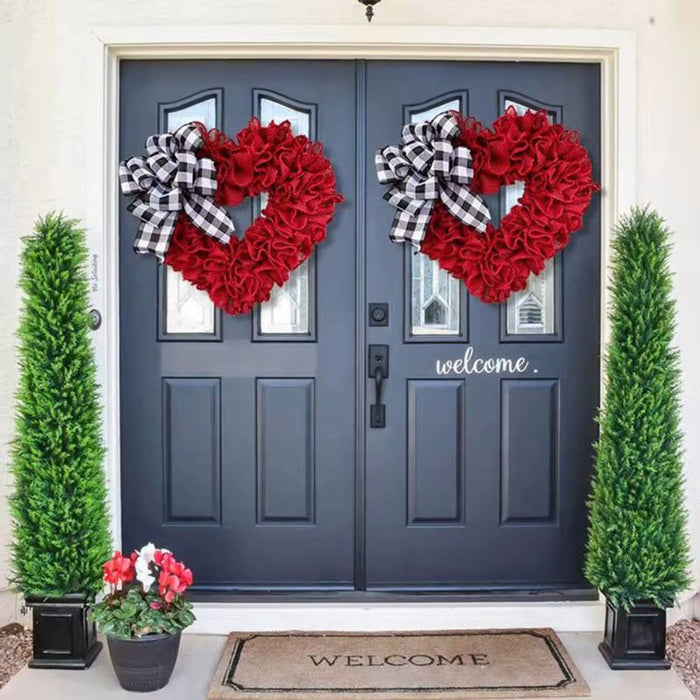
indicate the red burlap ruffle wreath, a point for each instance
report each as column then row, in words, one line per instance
column 559, row 184
column 300, row 184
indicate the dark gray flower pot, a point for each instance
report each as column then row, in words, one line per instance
column 63, row 637
column 635, row 639
column 143, row 664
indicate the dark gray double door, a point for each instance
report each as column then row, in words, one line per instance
column 246, row 444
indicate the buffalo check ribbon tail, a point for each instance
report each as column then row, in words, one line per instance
column 155, row 229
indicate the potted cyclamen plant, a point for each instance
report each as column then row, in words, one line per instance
column 142, row 613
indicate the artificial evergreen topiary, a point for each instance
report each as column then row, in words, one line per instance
column 61, row 528
column 638, row 548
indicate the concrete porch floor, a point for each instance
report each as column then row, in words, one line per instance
column 199, row 655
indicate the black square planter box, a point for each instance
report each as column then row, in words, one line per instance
column 63, row 637
column 636, row 639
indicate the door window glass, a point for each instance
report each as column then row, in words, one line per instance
column 435, row 295
column 188, row 310
column 530, row 311
column 287, row 311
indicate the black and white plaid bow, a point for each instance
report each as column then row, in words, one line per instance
column 425, row 167
column 170, row 179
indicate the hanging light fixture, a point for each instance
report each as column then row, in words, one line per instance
column 369, row 4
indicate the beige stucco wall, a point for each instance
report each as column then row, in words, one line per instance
column 41, row 153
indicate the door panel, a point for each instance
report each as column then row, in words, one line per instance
column 529, row 450
column 515, row 451
column 435, row 451
column 191, row 445
column 238, row 454
column 285, row 450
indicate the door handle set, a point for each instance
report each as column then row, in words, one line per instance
column 379, row 371
column 378, row 365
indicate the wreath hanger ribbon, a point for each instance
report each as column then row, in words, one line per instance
column 170, row 179
column 426, row 167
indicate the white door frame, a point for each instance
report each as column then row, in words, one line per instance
column 614, row 51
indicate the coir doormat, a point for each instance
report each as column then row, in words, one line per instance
column 450, row 665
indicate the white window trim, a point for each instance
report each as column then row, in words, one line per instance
column 613, row 50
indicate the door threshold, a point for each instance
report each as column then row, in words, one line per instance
column 221, row 613
column 262, row 596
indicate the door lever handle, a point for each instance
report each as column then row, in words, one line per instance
column 378, row 379
column 379, row 371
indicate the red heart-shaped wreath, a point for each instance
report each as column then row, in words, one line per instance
column 300, row 184
column 558, row 177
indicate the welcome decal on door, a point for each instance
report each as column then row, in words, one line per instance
column 468, row 364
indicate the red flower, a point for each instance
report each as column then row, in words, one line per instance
column 174, row 578
column 118, row 570
column 162, row 558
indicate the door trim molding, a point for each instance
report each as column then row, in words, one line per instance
column 614, row 51
column 360, row 569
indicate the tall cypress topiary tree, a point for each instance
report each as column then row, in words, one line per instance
column 61, row 529
column 638, row 547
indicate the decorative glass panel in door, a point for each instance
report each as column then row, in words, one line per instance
column 290, row 308
column 186, row 311
column 436, row 297
column 533, row 310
